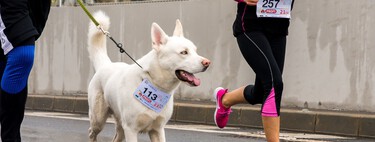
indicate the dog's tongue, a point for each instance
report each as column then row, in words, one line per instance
column 191, row 79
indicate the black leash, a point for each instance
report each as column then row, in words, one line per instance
column 119, row 45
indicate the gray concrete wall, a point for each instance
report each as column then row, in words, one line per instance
column 330, row 56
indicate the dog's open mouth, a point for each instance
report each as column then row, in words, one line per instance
column 188, row 77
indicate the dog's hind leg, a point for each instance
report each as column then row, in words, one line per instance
column 120, row 136
column 98, row 117
column 98, row 111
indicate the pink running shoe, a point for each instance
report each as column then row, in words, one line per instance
column 221, row 113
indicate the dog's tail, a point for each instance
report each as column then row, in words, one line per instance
column 97, row 41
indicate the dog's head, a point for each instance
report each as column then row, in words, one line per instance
column 177, row 54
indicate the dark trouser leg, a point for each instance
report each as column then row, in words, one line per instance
column 254, row 93
column 12, row 114
column 13, row 95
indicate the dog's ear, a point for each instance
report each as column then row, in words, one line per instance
column 178, row 31
column 158, row 36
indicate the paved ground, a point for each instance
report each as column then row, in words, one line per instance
column 357, row 124
column 63, row 127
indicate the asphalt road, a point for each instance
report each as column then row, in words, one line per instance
column 65, row 127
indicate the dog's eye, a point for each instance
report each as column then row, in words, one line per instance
column 185, row 52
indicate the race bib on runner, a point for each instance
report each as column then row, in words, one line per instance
column 274, row 8
column 151, row 97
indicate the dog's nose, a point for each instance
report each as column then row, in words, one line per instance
column 206, row 62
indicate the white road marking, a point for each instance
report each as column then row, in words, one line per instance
column 296, row 137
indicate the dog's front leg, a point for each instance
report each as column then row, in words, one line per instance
column 157, row 135
column 120, row 134
column 130, row 135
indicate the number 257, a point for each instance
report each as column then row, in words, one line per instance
column 270, row 3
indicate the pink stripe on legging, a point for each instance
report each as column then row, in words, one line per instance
column 269, row 106
column 243, row 22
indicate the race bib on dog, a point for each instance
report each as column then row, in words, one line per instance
column 274, row 8
column 151, row 97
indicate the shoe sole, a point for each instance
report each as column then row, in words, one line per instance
column 217, row 104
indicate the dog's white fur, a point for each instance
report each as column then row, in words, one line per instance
column 110, row 91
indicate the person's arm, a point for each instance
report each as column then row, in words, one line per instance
column 17, row 25
column 39, row 11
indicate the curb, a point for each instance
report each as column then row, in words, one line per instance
column 322, row 122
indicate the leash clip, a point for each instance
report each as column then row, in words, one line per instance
column 103, row 31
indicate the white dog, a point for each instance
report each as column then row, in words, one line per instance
column 140, row 100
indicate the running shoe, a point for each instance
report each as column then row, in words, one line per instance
column 221, row 115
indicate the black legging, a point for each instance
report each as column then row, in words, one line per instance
column 265, row 54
